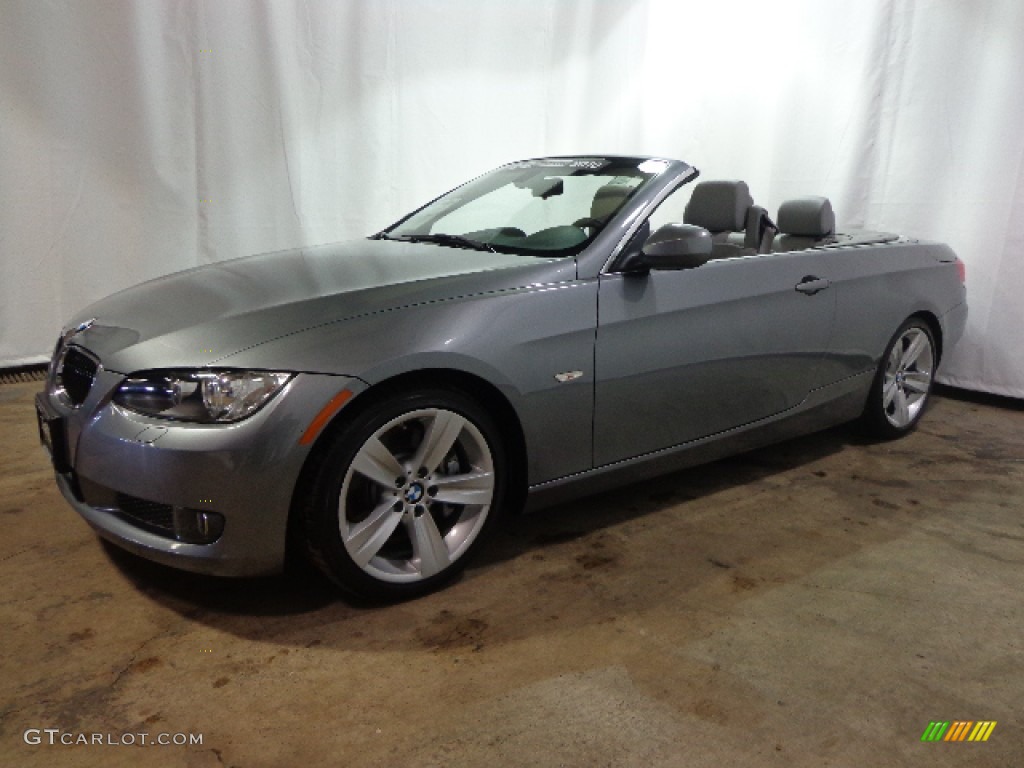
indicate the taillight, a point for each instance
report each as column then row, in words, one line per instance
column 961, row 270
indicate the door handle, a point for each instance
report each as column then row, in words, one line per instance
column 812, row 284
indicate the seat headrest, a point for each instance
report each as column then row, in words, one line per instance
column 807, row 217
column 607, row 200
column 719, row 206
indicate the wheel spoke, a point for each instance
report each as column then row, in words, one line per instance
column 914, row 349
column 428, row 546
column 369, row 536
column 377, row 463
column 917, row 381
column 472, row 488
column 892, row 367
column 396, row 493
column 440, row 436
column 888, row 391
column 902, row 414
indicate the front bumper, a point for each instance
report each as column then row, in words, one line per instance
column 245, row 472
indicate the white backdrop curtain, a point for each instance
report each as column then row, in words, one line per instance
column 140, row 138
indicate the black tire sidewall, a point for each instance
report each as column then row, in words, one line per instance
column 321, row 530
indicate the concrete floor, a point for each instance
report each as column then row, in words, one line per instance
column 813, row 604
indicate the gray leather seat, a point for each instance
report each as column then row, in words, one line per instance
column 726, row 209
column 805, row 222
column 607, row 201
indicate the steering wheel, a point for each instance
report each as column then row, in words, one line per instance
column 589, row 221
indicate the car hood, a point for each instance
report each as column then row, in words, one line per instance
column 197, row 317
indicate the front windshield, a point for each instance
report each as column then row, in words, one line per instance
column 547, row 207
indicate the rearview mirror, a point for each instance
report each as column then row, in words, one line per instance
column 676, row 246
column 543, row 187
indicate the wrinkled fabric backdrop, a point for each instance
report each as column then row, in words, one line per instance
column 140, row 138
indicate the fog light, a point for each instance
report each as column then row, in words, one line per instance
column 197, row 526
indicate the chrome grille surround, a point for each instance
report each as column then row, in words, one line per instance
column 74, row 371
column 84, row 367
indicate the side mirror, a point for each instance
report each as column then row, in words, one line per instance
column 675, row 246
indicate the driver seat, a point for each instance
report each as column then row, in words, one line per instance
column 726, row 209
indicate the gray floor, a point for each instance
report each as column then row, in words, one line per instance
column 813, row 604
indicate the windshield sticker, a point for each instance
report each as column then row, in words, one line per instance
column 652, row 166
column 587, row 164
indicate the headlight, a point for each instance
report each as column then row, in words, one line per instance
column 203, row 396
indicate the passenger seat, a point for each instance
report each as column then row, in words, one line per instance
column 805, row 222
column 607, row 201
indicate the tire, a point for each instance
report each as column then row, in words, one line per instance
column 405, row 494
column 903, row 383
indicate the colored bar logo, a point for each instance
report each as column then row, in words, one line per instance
column 958, row 730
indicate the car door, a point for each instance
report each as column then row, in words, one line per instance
column 681, row 355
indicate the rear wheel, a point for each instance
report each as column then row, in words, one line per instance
column 404, row 495
column 903, row 382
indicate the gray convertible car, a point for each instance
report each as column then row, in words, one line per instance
column 551, row 328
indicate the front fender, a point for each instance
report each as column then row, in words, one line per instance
column 518, row 341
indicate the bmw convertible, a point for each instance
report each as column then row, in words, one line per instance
column 546, row 330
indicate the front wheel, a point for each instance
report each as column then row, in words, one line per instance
column 404, row 494
column 903, row 382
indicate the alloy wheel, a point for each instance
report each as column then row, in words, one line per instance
column 908, row 377
column 416, row 495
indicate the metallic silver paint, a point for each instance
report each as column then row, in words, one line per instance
column 245, row 471
column 202, row 316
column 733, row 332
column 678, row 367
